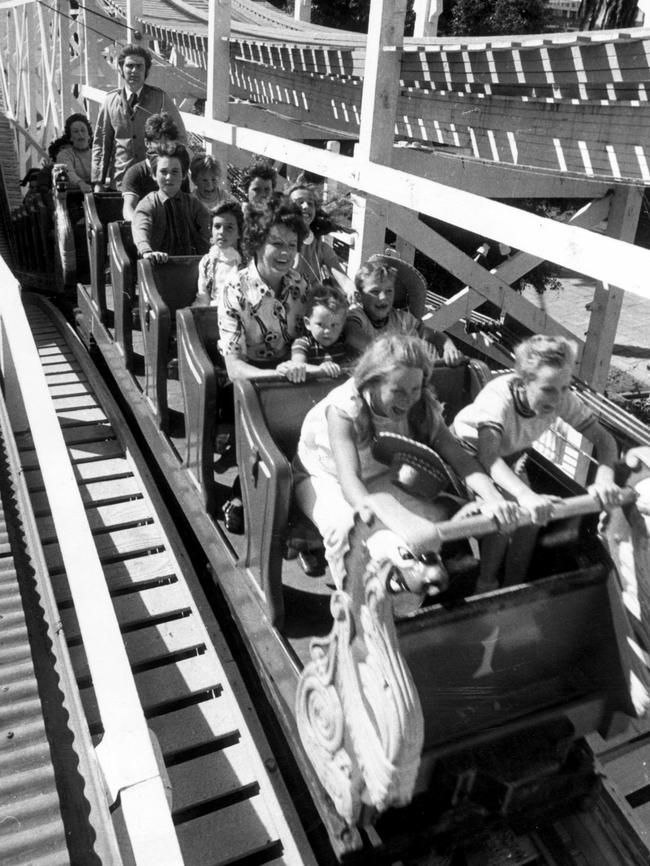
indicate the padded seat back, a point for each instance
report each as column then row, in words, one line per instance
column 455, row 388
column 175, row 281
column 207, row 327
column 284, row 406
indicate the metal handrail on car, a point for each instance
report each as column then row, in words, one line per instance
column 125, row 754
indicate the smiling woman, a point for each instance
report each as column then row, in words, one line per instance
column 76, row 153
column 263, row 309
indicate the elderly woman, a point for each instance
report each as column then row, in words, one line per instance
column 262, row 310
column 76, row 152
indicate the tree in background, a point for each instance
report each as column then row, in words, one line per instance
column 343, row 14
column 490, row 17
column 606, row 14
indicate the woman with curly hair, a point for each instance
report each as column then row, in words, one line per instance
column 262, row 310
column 76, row 152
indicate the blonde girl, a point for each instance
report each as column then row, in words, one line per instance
column 390, row 391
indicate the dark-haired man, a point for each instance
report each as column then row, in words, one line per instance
column 119, row 135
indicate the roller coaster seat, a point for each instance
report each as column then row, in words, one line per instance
column 267, row 437
column 163, row 290
column 99, row 210
column 207, row 393
column 123, row 258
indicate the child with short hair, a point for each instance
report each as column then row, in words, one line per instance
column 390, row 391
column 220, row 264
column 511, row 412
column 205, row 172
column 375, row 283
column 170, row 222
column 321, row 349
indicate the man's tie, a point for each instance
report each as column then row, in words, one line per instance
column 132, row 102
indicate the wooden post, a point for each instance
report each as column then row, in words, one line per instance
column 377, row 126
column 302, row 10
column 133, row 26
column 62, row 61
column 427, row 13
column 218, row 83
column 606, row 305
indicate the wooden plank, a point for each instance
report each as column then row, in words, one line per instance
column 113, row 546
column 217, row 832
column 96, row 493
column 195, row 727
column 103, row 518
column 92, row 450
column 127, row 574
column 93, row 471
column 217, row 774
column 73, row 435
column 75, row 417
column 137, row 610
column 74, row 401
column 630, row 771
column 149, row 646
column 71, row 388
column 70, row 377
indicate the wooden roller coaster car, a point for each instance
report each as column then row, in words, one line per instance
column 470, row 708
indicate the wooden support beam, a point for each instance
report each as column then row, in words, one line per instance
column 302, row 10
column 570, row 246
column 427, row 13
column 218, row 77
column 378, row 107
column 521, row 263
column 485, row 286
column 608, row 299
column 133, row 27
column 494, row 179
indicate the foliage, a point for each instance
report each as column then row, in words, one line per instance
column 489, row 17
column 343, row 14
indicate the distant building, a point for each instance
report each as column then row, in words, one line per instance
column 561, row 15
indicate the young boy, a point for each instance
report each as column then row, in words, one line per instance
column 220, row 265
column 205, row 172
column 375, row 283
column 170, row 222
column 321, row 349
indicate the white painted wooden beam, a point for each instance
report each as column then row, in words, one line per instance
column 608, row 299
column 377, row 128
column 427, row 13
column 572, row 247
column 485, row 286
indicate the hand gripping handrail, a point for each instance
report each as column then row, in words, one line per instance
column 125, row 754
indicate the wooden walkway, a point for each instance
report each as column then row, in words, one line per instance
column 228, row 802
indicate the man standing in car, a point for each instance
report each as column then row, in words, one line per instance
column 119, row 135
